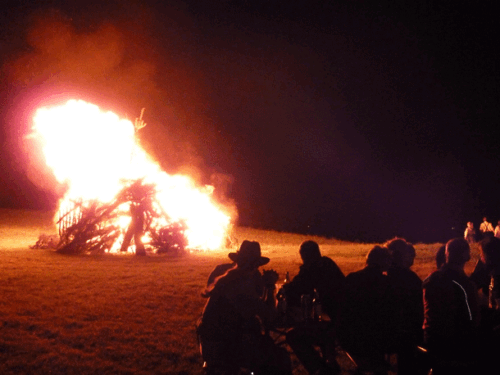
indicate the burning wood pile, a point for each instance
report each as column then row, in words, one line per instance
column 91, row 228
column 118, row 199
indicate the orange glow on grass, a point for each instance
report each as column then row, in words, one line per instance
column 94, row 152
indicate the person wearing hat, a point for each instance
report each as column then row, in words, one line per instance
column 221, row 269
column 234, row 317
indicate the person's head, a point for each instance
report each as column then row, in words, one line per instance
column 470, row 225
column 490, row 252
column 441, row 256
column 402, row 252
column 309, row 252
column 457, row 252
column 485, row 218
column 379, row 257
column 248, row 256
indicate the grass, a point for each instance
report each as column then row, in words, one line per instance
column 122, row 314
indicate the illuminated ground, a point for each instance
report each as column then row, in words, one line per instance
column 121, row 314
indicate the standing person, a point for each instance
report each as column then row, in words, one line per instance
column 321, row 274
column 486, row 228
column 408, row 305
column 486, row 274
column 451, row 313
column 490, row 255
column 490, row 312
column 497, row 230
column 365, row 329
column 470, row 233
column 230, row 330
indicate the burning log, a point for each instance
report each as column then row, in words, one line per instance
column 169, row 238
column 90, row 234
column 46, row 241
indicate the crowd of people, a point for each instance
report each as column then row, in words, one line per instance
column 485, row 230
column 440, row 323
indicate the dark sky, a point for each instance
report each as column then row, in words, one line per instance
column 336, row 118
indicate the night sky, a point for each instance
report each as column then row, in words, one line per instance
column 354, row 121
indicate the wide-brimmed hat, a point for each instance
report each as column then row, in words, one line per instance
column 249, row 255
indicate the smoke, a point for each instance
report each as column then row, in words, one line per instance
column 115, row 59
column 96, row 63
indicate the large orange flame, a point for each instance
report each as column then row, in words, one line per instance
column 93, row 152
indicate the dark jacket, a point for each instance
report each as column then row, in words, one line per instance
column 233, row 306
column 218, row 271
column 407, row 302
column 367, row 314
column 451, row 312
column 324, row 276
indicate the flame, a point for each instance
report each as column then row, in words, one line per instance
column 94, row 152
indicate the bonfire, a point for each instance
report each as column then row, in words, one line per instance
column 117, row 198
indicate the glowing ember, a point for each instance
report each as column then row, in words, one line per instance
column 94, row 153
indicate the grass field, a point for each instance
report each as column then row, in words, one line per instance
column 122, row 314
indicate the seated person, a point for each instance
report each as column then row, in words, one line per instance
column 222, row 269
column 318, row 273
column 218, row 271
column 367, row 315
column 407, row 304
column 321, row 274
column 235, row 317
column 451, row 312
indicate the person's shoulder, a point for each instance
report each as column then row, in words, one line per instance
column 355, row 275
column 327, row 261
column 433, row 277
column 412, row 274
column 415, row 277
column 219, row 270
column 407, row 274
column 414, row 281
column 332, row 268
column 446, row 276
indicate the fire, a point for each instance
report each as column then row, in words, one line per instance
column 95, row 152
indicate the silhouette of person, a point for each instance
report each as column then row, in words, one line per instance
column 223, row 268
column 234, row 318
column 486, row 228
column 440, row 256
column 490, row 311
column 365, row 329
column 470, row 233
column 219, row 270
column 497, row 230
column 407, row 303
column 486, row 274
column 451, row 312
column 490, row 255
column 321, row 274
